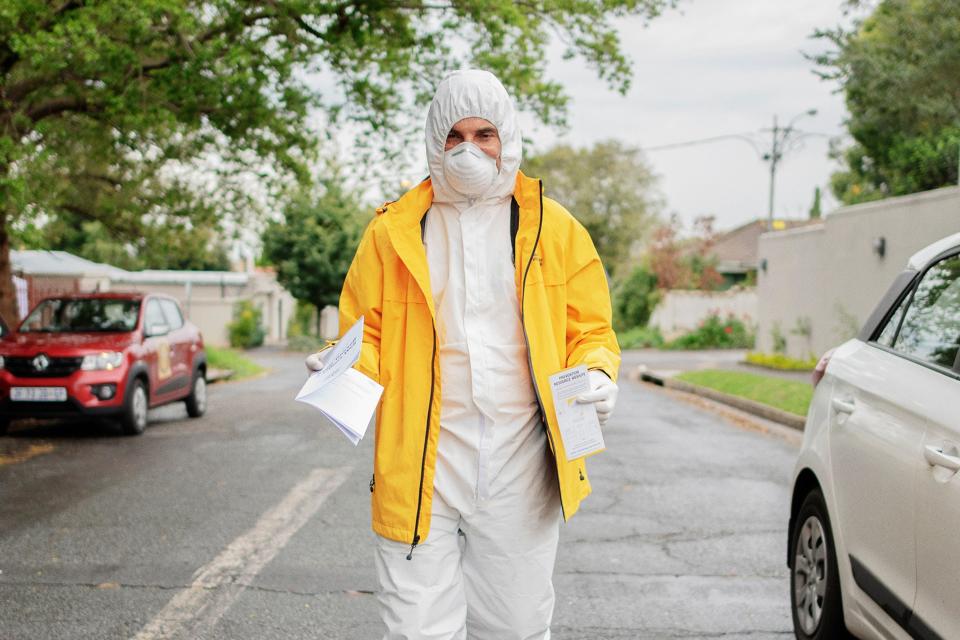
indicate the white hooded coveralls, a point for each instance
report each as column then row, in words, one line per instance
column 485, row 571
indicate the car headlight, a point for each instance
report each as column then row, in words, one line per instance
column 102, row 361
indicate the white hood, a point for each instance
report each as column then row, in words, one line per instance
column 472, row 93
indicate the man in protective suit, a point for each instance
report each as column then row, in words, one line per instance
column 474, row 289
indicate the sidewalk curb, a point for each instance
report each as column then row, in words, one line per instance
column 750, row 406
column 219, row 375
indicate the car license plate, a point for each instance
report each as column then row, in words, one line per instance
column 38, row 394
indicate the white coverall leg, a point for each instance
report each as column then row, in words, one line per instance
column 494, row 479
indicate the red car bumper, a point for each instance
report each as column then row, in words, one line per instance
column 81, row 394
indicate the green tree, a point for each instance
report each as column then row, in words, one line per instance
column 681, row 260
column 122, row 84
column 609, row 188
column 635, row 299
column 815, row 208
column 899, row 68
column 313, row 245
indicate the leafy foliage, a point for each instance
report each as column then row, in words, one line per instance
column 899, row 69
column 246, row 329
column 305, row 344
column 635, row 299
column 684, row 262
column 715, row 332
column 816, row 208
column 301, row 322
column 609, row 188
column 133, row 110
column 640, row 337
column 313, row 246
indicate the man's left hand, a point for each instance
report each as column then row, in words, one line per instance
column 603, row 394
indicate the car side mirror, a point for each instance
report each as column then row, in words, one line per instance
column 158, row 329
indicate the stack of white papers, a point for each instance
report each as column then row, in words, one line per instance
column 579, row 426
column 342, row 394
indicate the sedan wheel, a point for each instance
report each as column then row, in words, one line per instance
column 810, row 574
column 134, row 420
column 197, row 400
column 815, row 580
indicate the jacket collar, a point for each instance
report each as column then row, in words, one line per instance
column 402, row 220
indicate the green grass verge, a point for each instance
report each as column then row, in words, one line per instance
column 223, row 358
column 788, row 395
column 780, row 361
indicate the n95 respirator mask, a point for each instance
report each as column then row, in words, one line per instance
column 469, row 170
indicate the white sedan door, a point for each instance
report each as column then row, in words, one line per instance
column 931, row 333
column 876, row 457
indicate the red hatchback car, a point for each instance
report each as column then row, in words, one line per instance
column 110, row 355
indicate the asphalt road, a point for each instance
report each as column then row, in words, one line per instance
column 252, row 523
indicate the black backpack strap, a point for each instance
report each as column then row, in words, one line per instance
column 514, row 226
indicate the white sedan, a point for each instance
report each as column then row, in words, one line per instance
column 874, row 546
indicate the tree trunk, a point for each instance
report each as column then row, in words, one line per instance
column 8, row 295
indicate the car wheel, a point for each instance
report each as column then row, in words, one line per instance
column 814, row 578
column 197, row 400
column 134, row 420
column 4, row 425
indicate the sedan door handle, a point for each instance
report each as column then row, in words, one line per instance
column 843, row 406
column 935, row 457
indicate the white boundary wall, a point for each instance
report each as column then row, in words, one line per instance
column 828, row 278
column 680, row 311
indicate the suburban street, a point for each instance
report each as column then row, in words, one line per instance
column 253, row 522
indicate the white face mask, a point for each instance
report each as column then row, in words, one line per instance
column 469, row 170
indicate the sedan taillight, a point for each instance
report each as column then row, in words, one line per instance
column 821, row 368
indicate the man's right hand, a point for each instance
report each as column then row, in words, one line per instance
column 314, row 362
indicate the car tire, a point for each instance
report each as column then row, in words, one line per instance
column 815, row 599
column 4, row 425
column 197, row 400
column 134, row 418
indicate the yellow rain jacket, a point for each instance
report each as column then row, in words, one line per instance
column 565, row 310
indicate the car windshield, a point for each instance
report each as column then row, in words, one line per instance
column 82, row 314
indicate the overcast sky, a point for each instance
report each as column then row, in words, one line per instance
column 710, row 68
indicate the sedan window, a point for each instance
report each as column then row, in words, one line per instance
column 154, row 316
column 57, row 315
column 172, row 313
column 931, row 327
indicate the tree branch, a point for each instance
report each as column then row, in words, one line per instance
column 59, row 105
column 155, row 65
column 19, row 90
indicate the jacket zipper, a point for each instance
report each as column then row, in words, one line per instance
column 523, row 325
column 426, row 439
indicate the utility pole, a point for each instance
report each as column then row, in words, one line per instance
column 773, row 157
column 778, row 144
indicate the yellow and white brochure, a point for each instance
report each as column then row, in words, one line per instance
column 341, row 393
column 579, row 426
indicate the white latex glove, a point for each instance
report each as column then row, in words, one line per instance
column 314, row 361
column 603, row 395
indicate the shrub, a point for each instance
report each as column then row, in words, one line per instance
column 779, row 340
column 246, row 330
column 716, row 333
column 305, row 344
column 640, row 338
column 301, row 322
column 635, row 299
